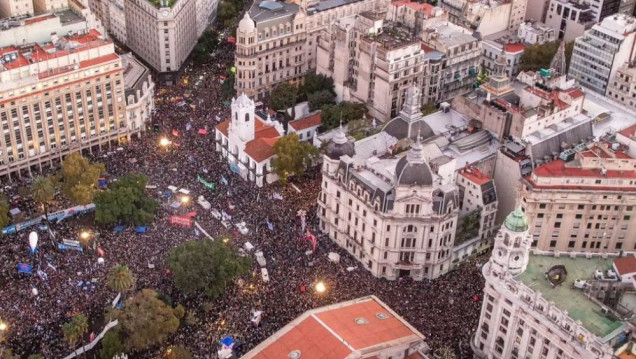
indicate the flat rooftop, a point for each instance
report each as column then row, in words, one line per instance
column 392, row 37
column 578, row 306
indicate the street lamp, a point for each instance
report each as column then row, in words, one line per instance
column 85, row 235
column 320, row 287
column 164, row 142
column 3, row 329
column 185, row 199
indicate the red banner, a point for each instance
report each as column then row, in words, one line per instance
column 181, row 221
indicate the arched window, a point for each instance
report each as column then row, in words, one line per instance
column 247, row 117
column 507, row 240
column 517, row 242
column 236, row 115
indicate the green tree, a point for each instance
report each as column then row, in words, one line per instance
column 283, row 97
column 35, row 356
column 125, row 200
column 428, row 108
column 468, row 226
column 146, row 320
column 7, row 353
column 482, row 77
column 293, row 157
column 179, row 311
column 358, row 129
column 206, row 266
column 79, row 178
column 319, row 99
column 539, row 56
column 227, row 88
column 315, row 83
column 177, row 352
column 4, row 212
column 228, row 12
column 348, row 111
column 43, row 190
column 111, row 344
column 207, row 43
column 120, row 279
column 75, row 329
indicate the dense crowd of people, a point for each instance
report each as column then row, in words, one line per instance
column 74, row 282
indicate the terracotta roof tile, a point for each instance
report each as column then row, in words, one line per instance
column 514, row 48
column 473, row 174
column 311, row 120
column 260, row 149
column 223, row 126
column 310, row 338
column 557, row 168
column 625, row 265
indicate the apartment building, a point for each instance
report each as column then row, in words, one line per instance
column 534, row 33
column 462, row 52
column 112, row 13
column 622, row 87
column 277, row 41
column 38, row 28
column 486, row 17
column 509, row 49
column 603, row 49
column 570, row 18
column 11, row 8
column 44, row 6
column 139, row 89
column 583, row 201
column 477, row 198
column 413, row 15
column 381, row 62
column 60, row 97
column 547, row 306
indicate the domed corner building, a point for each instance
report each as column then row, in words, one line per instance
column 394, row 214
column 525, row 314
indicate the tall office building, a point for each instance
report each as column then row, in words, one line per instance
column 277, row 41
column 372, row 61
column 603, row 49
column 549, row 306
column 59, row 97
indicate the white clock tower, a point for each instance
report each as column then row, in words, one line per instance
column 512, row 244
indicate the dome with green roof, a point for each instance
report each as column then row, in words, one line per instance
column 516, row 221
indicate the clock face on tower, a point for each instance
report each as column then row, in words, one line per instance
column 164, row 13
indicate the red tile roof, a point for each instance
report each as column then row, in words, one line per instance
column 625, row 265
column 421, row 7
column 223, row 126
column 558, row 168
column 260, row 149
column 333, row 332
column 312, row 120
column 34, row 20
column 514, row 48
column 473, row 174
column 575, row 93
column 629, row 131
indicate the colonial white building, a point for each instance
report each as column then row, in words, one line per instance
column 247, row 142
column 533, row 309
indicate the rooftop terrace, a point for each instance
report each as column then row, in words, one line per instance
column 393, row 37
column 575, row 302
column 162, row 3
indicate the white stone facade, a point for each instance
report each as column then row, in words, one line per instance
column 10, row 8
column 518, row 322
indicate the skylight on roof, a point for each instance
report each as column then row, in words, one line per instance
column 361, row 321
column 294, row 354
column 381, row 316
column 270, row 5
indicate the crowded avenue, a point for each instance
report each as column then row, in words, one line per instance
column 177, row 146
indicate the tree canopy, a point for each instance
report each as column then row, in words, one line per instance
column 177, row 352
column 75, row 329
column 315, row 83
column 146, row 320
column 539, row 56
column 125, row 200
column 228, row 12
column 331, row 114
column 208, row 41
column 4, row 212
column 320, row 98
column 111, row 344
column 293, row 156
column 79, row 178
column 42, row 190
column 428, row 108
column 283, row 96
column 206, row 266
column 120, row 279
